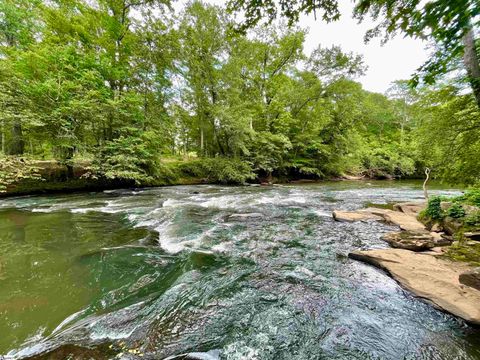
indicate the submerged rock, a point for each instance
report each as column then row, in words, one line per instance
column 210, row 355
column 245, row 216
column 428, row 277
column 471, row 278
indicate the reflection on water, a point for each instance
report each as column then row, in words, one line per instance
column 224, row 272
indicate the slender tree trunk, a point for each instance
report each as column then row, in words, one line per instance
column 3, row 137
column 18, row 144
column 472, row 63
column 201, row 142
column 68, row 162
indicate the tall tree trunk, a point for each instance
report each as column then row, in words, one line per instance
column 69, row 162
column 18, row 144
column 472, row 63
column 3, row 137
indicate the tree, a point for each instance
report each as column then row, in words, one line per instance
column 18, row 28
column 203, row 41
column 450, row 25
column 448, row 134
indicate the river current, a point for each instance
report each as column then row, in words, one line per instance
column 212, row 271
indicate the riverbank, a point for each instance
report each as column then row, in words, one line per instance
column 30, row 177
column 423, row 258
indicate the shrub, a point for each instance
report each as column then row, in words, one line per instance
column 456, row 211
column 471, row 197
column 220, row 170
column 434, row 210
column 473, row 219
column 132, row 156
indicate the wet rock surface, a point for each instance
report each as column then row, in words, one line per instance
column 429, row 278
column 426, row 276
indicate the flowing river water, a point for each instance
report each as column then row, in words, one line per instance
column 222, row 272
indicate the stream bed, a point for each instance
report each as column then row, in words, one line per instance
column 224, row 272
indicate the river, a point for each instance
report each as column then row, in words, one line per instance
column 224, row 272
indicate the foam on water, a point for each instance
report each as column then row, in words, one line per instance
column 270, row 282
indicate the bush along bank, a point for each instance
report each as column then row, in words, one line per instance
column 21, row 176
column 459, row 217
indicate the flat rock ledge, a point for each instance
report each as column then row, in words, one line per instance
column 415, row 241
column 406, row 221
column 433, row 280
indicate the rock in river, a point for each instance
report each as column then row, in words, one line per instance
column 405, row 221
column 410, row 208
column 428, row 277
column 415, row 241
column 245, row 216
column 351, row 216
column 409, row 241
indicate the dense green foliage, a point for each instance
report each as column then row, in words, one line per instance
column 450, row 25
column 465, row 208
column 434, row 210
column 456, row 211
column 127, row 85
column 471, row 197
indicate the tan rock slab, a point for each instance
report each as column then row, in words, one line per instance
column 351, row 216
column 404, row 221
column 428, row 277
column 409, row 241
column 410, row 208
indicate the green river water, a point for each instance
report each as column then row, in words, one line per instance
column 214, row 272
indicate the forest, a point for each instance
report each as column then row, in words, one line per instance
column 136, row 91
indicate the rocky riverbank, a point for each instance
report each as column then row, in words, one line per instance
column 417, row 260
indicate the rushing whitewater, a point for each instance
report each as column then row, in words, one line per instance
column 222, row 272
